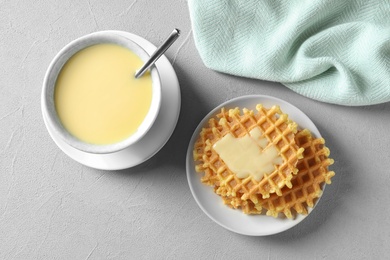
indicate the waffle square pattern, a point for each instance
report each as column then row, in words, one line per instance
column 259, row 162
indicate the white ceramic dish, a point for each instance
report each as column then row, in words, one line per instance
column 154, row 139
column 48, row 107
column 212, row 205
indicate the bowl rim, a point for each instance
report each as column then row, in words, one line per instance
column 54, row 69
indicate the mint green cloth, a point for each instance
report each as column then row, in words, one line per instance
column 336, row 51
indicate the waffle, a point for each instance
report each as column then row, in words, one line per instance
column 306, row 185
column 279, row 131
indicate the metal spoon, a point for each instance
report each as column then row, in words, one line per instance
column 157, row 54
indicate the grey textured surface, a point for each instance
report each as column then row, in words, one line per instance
column 52, row 207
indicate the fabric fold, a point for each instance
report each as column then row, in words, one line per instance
column 329, row 50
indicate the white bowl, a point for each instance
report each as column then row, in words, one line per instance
column 54, row 69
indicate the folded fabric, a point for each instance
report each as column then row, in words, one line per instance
column 329, row 50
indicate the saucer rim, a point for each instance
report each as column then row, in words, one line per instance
column 168, row 83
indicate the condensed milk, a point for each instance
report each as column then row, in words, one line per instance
column 97, row 98
column 251, row 154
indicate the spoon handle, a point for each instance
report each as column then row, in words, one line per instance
column 157, row 53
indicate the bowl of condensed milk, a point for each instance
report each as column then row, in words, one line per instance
column 91, row 98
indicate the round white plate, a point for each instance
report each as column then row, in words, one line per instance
column 211, row 203
column 157, row 136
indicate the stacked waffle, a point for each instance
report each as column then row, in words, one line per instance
column 290, row 186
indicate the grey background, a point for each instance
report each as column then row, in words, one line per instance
column 52, row 207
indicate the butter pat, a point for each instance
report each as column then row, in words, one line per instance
column 249, row 155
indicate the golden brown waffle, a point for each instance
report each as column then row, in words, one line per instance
column 279, row 131
column 306, row 185
column 202, row 152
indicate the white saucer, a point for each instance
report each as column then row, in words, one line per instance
column 157, row 136
column 212, row 205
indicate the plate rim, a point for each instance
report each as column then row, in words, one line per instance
column 189, row 155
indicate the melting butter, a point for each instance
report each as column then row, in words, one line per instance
column 248, row 155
